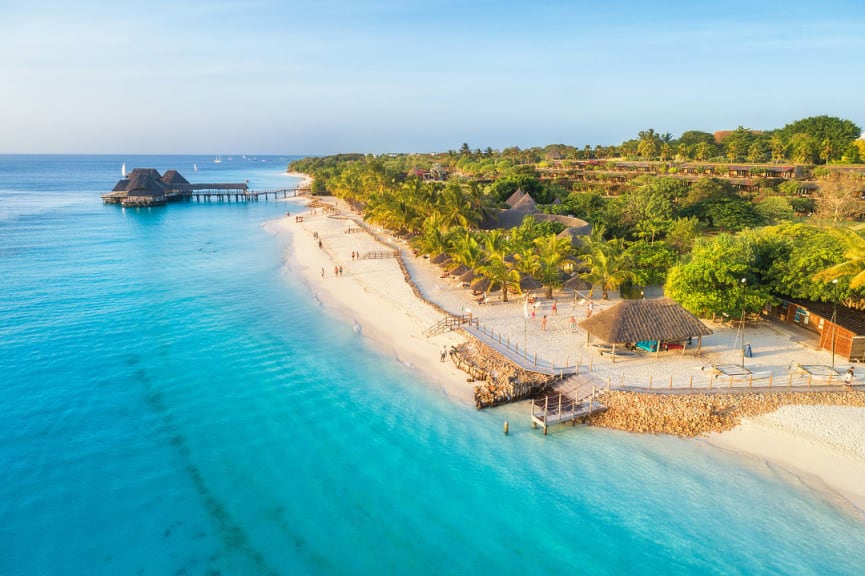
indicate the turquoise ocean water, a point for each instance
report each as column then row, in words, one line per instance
column 174, row 401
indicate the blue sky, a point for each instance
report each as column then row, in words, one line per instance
column 290, row 76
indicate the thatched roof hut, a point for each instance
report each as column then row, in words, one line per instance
column 173, row 177
column 515, row 197
column 484, row 285
column 655, row 320
column 529, row 283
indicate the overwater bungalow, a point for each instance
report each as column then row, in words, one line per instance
column 147, row 187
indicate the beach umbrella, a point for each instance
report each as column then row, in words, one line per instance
column 482, row 284
column 458, row 269
column 468, row 276
column 576, row 283
column 529, row 283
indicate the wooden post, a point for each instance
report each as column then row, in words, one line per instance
column 790, row 382
column 750, row 380
column 650, row 381
column 691, row 382
column 810, row 379
column 671, row 381
column 536, row 358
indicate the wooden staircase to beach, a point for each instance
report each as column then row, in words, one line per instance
column 449, row 323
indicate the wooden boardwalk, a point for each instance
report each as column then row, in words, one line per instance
column 202, row 193
column 511, row 351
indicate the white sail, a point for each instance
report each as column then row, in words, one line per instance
column 218, row 160
column 123, row 170
column 195, row 167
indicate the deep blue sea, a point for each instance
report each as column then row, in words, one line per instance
column 174, row 401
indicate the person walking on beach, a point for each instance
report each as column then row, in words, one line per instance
column 573, row 323
column 555, row 308
column 444, row 353
column 340, row 270
column 544, row 322
column 322, row 271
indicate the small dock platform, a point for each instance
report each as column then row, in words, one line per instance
column 561, row 407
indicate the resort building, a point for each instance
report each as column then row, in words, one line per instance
column 845, row 335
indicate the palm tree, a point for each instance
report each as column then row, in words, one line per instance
column 609, row 265
column 434, row 237
column 498, row 270
column 854, row 265
column 456, row 207
column 553, row 253
column 466, row 251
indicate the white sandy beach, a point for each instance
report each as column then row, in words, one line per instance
column 825, row 446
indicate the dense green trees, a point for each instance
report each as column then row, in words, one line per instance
column 833, row 134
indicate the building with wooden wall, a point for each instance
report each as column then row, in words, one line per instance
column 847, row 332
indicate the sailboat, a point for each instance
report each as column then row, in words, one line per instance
column 123, row 170
column 195, row 167
column 218, row 160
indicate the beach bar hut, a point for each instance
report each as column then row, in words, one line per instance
column 845, row 335
column 649, row 324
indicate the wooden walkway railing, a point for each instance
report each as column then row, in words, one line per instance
column 562, row 407
column 449, row 323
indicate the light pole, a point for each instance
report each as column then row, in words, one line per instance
column 834, row 317
column 744, row 284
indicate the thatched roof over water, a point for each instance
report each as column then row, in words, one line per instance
column 637, row 320
column 173, row 177
column 144, row 185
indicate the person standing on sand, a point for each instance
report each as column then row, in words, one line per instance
column 848, row 378
column 573, row 323
column 444, row 353
column 544, row 322
column 555, row 308
column 322, row 271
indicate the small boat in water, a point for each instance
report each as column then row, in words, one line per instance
column 195, row 167
column 217, row 160
column 123, row 170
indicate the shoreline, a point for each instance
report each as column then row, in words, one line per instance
column 371, row 294
column 819, row 445
column 374, row 295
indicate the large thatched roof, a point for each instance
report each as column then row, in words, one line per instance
column 142, row 184
column 637, row 320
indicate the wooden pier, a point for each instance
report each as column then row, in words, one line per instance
column 561, row 407
column 146, row 187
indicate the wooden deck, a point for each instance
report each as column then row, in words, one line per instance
column 562, row 407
